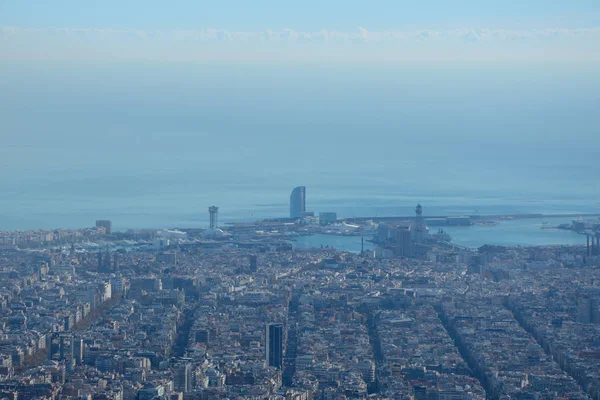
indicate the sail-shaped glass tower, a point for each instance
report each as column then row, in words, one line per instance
column 298, row 202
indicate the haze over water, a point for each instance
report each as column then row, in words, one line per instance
column 154, row 144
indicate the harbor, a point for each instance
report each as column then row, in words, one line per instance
column 516, row 231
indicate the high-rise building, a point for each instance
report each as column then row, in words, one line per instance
column 253, row 263
column 404, row 245
column 587, row 310
column 274, row 345
column 298, row 202
column 106, row 224
column 78, row 348
column 183, row 377
column 63, row 346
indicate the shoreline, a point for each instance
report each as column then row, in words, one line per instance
column 476, row 217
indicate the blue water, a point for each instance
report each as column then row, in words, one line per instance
column 520, row 232
column 526, row 232
column 350, row 244
column 156, row 145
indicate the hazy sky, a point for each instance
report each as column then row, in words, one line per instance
column 302, row 15
column 345, row 31
column 121, row 109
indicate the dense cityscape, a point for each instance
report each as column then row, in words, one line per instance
column 238, row 312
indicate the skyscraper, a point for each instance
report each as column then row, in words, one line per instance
column 274, row 347
column 298, row 202
column 404, row 245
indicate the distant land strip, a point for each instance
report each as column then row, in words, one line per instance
column 473, row 217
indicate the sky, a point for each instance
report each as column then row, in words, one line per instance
column 312, row 31
column 134, row 110
column 308, row 14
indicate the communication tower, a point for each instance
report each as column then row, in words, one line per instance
column 419, row 228
column 214, row 212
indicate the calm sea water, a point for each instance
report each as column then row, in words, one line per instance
column 350, row 244
column 524, row 232
column 156, row 145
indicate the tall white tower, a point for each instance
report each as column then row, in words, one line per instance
column 214, row 215
column 419, row 229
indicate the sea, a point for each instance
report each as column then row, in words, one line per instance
column 517, row 232
column 153, row 145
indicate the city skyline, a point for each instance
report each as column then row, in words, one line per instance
column 340, row 200
column 201, row 318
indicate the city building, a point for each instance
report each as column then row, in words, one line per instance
column 253, row 262
column 326, row 218
column 274, row 347
column 183, row 377
column 197, row 320
column 404, row 244
column 105, row 224
column 298, row 202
